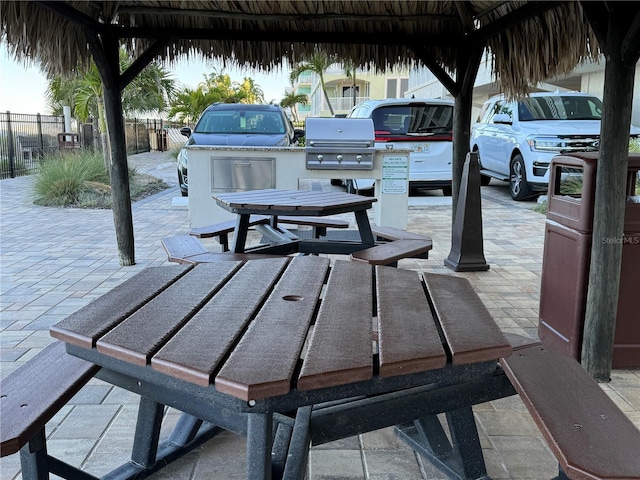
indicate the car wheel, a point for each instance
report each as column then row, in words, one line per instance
column 518, row 186
column 184, row 193
column 336, row 181
column 484, row 179
column 447, row 191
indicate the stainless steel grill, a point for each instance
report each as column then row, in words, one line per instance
column 340, row 143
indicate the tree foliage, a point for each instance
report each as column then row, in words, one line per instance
column 291, row 100
column 149, row 92
column 188, row 104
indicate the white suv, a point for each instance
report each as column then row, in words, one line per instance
column 423, row 126
column 516, row 140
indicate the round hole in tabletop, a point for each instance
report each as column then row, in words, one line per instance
column 292, row 298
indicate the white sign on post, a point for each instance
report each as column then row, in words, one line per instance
column 394, row 173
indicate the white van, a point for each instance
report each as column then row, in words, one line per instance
column 423, row 126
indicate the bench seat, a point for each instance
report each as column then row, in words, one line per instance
column 223, row 229
column 319, row 224
column 389, row 253
column 587, row 432
column 392, row 233
column 188, row 250
column 36, row 391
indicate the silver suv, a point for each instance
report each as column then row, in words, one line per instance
column 516, row 140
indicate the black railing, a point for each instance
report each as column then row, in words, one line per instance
column 26, row 139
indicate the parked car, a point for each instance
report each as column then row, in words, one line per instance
column 423, row 126
column 516, row 140
column 237, row 124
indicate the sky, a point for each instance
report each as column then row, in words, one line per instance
column 23, row 87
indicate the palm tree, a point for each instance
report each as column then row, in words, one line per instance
column 318, row 64
column 249, row 90
column 150, row 91
column 350, row 72
column 188, row 104
column 292, row 99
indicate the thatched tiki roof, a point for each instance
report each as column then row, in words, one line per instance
column 528, row 42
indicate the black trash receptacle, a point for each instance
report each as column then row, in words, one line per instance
column 567, row 256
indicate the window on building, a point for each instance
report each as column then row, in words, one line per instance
column 348, row 92
column 392, row 88
column 396, row 87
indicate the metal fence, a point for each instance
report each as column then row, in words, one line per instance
column 26, row 139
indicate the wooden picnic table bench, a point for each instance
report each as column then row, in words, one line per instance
column 223, row 229
column 30, row 396
column 392, row 233
column 188, row 250
column 389, row 253
column 589, row 435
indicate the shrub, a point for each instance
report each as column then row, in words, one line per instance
column 62, row 177
column 81, row 180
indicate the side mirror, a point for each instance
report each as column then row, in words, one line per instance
column 298, row 133
column 186, row 131
column 502, row 118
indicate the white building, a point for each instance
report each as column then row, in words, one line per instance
column 588, row 78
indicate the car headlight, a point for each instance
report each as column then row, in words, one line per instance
column 547, row 144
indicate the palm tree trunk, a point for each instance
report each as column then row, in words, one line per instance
column 353, row 87
column 326, row 95
column 104, row 137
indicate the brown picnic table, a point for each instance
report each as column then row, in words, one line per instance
column 294, row 351
column 291, row 203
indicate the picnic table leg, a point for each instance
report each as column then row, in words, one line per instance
column 145, row 443
column 299, row 445
column 240, row 233
column 466, row 442
column 185, row 430
column 364, row 227
column 259, row 443
column 33, row 458
column 462, row 457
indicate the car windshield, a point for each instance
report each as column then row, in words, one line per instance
column 559, row 107
column 240, row 122
column 420, row 120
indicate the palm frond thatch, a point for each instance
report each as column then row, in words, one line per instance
column 263, row 34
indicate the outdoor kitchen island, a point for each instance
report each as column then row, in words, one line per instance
column 219, row 170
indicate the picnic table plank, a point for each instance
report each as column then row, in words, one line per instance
column 190, row 354
column 137, row 338
column 472, row 335
column 84, row 327
column 292, row 200
column 341, row 352
column 408, row 337
column 263, row 362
